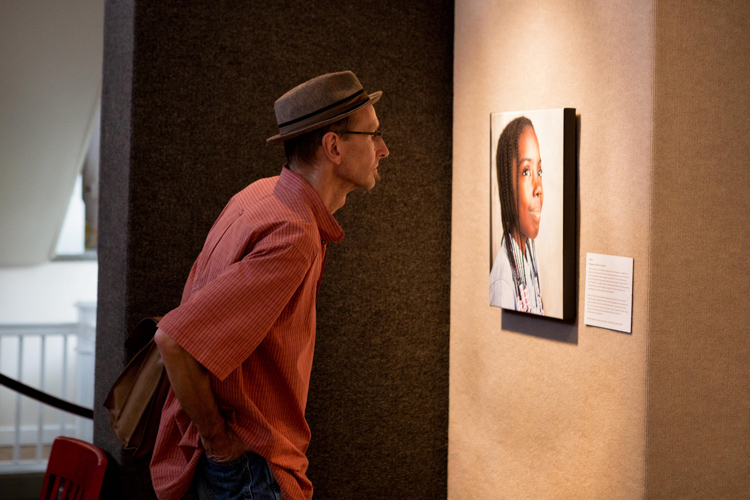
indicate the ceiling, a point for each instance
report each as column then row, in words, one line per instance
column 50, row 87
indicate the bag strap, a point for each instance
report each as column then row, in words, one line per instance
column 142, row 334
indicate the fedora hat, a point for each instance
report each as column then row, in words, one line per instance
column 319, row 102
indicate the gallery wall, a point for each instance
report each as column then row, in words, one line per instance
column 541, row 408
column 699, row 356
column 538, row 408
column 188, row 105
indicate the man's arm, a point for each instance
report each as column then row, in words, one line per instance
column 192, row 386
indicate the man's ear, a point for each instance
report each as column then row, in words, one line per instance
column 331, row 145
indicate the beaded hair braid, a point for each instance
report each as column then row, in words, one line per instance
column 507, row 155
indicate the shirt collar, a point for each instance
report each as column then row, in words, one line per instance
column 292, row 184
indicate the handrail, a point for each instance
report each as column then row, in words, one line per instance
column 45, row 398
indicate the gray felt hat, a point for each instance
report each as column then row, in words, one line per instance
column 319, row 102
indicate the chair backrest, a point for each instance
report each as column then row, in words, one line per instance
column 75, row 471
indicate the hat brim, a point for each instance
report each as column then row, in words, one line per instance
column 373, row 98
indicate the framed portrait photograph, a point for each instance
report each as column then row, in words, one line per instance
column 532, row 212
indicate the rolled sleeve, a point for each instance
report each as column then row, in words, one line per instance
column 224, row 322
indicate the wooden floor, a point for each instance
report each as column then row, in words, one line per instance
column 26, row 452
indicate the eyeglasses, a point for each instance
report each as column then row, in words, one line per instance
column 377, row 133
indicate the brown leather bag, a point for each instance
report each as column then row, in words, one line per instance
column 137, row 397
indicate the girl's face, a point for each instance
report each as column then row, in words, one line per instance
column 530, row 194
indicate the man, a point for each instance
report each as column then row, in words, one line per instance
column 238, row 350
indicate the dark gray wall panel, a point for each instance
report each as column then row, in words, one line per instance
column 204, row 79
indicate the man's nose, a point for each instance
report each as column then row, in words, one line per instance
column 383, row 151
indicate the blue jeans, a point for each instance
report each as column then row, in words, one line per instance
column 245, row 478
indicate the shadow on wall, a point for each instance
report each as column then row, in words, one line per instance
column 541, row 327
column 551, row 328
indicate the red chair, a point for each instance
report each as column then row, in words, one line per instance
column 75, row 471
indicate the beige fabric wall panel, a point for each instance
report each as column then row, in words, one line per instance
column 542, row 409
column 699, row 370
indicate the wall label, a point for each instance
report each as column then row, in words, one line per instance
column 609, row 292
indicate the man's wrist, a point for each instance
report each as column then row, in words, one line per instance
column 209, row 431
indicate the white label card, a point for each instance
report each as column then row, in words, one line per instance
column 609, row 292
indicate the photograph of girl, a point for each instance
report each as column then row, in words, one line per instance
column 526, row 210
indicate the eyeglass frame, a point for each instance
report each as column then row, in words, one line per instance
column 377, row 133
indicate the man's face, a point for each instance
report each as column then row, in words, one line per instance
column 362, row 153
column 529, row 175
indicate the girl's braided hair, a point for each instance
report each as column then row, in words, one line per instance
column 507, row 156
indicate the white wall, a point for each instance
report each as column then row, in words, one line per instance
column 50, row 85
column 50, row 81
column 46, row 293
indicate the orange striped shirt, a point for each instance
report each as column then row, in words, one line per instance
column 248, row 315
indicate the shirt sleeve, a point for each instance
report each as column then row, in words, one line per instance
column 221, row 324
column 501, row 290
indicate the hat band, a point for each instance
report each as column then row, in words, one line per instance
column 325, row 113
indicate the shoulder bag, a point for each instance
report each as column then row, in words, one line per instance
column 136, row 398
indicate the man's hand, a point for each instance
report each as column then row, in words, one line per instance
column 192, row 386
column 223, row 446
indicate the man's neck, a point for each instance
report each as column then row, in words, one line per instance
column 322, row 180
